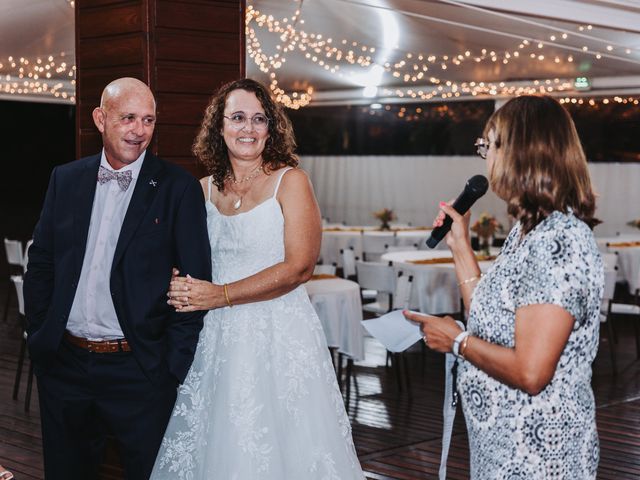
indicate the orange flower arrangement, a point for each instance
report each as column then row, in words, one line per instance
column 385, row 216
column 486, row 226
column 634, row 223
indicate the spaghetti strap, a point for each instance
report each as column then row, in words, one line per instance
column 275, row 192
column 209, row 189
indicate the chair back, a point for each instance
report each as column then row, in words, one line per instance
column 400, row 248
column 610, row 260
column 13, row 249
column 25, row 259
column 348, row 262
column 325, row 269
column 376, row 276
column 373, row 244
column 609, row 288
column 402, row 293
column 18, row 282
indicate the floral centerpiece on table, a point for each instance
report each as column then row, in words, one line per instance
column 485, row 227
column 634, row 223
column 385, row 216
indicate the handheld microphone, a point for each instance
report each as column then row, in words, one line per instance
column 476, row 187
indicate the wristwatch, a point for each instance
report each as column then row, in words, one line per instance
column 457, row 342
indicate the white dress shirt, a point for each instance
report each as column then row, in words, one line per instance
column 93, row 315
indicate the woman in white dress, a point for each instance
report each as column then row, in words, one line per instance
column 261, row 399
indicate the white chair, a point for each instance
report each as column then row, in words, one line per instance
column 381, row 278
column 13, row 249
column 348, row 263
column 633, row 310
column 401, row 296
column 610, row 260
column 18, row 283
column 402, row 293
column 605, row 310
column 324, row 269
column 25, row 257
column 373, row 244
column 400, row 248
column 15, row 259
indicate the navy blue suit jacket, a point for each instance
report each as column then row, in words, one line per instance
column 165, row 226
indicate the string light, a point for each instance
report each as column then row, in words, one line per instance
column 47, row 76
column 41, row 76
column 410, row 67
column 596, row 101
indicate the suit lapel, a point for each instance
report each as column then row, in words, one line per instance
column 145, row 191
column 83, row 205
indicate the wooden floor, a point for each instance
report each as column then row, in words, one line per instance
column 397, row 434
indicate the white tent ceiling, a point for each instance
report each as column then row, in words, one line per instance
column 402, row 49
column 34, row 30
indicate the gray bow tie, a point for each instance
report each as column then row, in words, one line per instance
column 123, row 178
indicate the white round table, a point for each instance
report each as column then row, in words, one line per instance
column 628, row 257
column 334, row 240
column 625, row 237
column 435, row 286
column 339, row 307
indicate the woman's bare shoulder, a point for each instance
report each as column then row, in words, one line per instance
column 293, row 175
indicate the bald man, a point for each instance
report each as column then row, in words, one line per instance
column 108, row 350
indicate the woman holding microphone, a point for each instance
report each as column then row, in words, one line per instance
column 524, row 363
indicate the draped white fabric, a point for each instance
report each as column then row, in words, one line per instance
column 349, row 189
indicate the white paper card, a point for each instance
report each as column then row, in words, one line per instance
column 394, row 331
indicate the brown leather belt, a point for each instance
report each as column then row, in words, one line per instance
column 102, row 346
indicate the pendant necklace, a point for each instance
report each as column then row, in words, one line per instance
column 238, row 203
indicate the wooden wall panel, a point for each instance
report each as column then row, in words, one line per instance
column 201, row 78
column 94, row 80
column 183, row 49
column 207, row 17
column 81, row 4
column 112, row 51
column 180, row 109
column 197, row 47
column 121, row 20
column 176, row 140
column 90, row 138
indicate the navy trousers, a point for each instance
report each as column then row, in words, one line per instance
column 84, row 396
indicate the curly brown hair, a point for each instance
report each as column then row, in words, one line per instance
column 210, row 148
column 540, row 165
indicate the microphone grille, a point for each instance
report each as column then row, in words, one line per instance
column 478, row 185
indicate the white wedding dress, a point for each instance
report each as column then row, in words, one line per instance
column 261, row 401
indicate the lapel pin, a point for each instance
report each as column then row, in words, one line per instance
column 153, row 183
column 156, row 221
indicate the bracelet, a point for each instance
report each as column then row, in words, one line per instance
column 226, row 295
column 455, row 349
column 463, row 347
column 470, row 279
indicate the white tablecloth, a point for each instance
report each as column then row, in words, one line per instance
column 333, row 241
column 435, row 286
column 337, row 303
column 628, row 258
column 625, row 237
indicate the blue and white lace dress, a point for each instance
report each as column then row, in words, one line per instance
column 513, row 435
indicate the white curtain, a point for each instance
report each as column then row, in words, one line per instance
column 349, row 189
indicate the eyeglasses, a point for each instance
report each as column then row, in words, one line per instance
column 239, row 120
column 482, row 147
